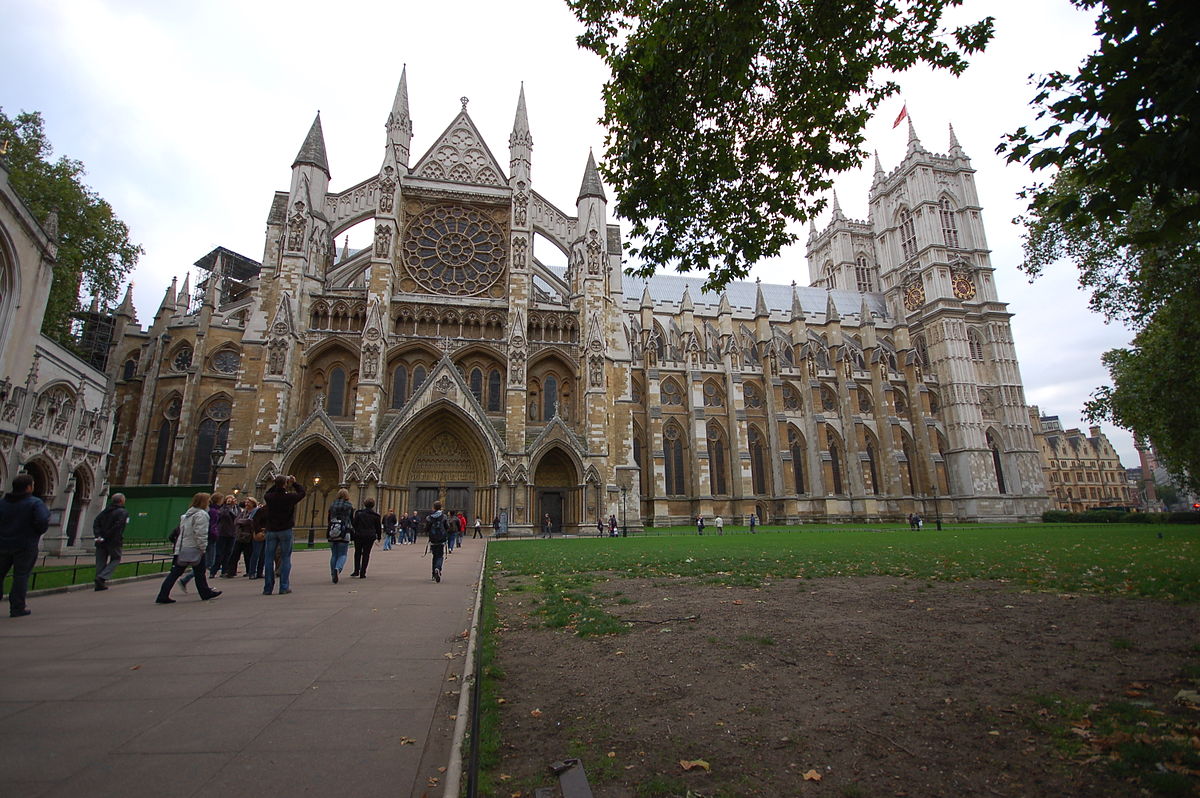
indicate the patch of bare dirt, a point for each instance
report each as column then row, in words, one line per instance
column 878, row 686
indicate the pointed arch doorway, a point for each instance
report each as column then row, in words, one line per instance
column 442, row 457
column 557, row 492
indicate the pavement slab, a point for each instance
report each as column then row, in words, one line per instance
column 107, row 693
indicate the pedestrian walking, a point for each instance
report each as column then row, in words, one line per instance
column 23, row 520
column 279, row 509
column 478, row 528
column 753, row 522
column 190, row 548
column 108, row 534
column 341, row 530
column 495, row 524
column 451, row 531
column 389, row 530
column 719, row 523
column 437, row 530
column 699, row 525
column 210, row 553
column 368, row 529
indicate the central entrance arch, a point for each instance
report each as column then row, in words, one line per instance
column 442, row 457
column 558, row 494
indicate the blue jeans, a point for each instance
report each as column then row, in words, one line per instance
column 256, row 558
column 438, row 550
column 388, row 539
column 278, row 539
column 337, row 555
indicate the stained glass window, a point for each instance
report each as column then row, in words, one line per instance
column 399, row 387
column 451, row 249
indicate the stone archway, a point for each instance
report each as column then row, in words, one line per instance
column 558, row 492
column 442, row 456
column 316, row 467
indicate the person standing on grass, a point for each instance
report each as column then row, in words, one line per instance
column 367, row 531
column 753, row 522
column 699, row 525
column 279, row 509
column 23, row 520
column 341, row 512
column 437, row 529
column 719, row 523
column 612, row 525
column 108, row 533
column 190, row 548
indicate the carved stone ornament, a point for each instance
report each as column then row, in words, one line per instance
column 296, row 225
column 520, row 207
column 383, row 240
column 444, row 386
column 520, row 248
column 593, row 252
column 276, row 356
column 280, row 328
column 387, row 190
column 371, row 361
column 373, row 334
column 596, row 371
column 516, row 367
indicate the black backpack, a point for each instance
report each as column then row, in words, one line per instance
column 437, row 529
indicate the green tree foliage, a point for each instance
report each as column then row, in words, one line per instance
column 94, row 250
column 725, row 119
column 1124, row 206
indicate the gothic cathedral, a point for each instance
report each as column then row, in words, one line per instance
column 445, row 361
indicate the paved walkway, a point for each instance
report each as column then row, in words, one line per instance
column 311, row 693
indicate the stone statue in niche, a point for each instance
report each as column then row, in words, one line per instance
column 596, row 371
column 520, row 206
column 276, row 354
column 383, row 240
column 296, row 226
column 593, row 252
column 520, row 245
column 387, row 190
column 370, row 361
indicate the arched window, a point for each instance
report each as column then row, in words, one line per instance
column 975, row 343
column 165, row 452
column 549, row 398
column 949, row 224
column 418, row 378
column 922, row 351
column 996, row 463
column 758, row 462
column 796, row 445
column 477, row 384
column 211, row 435
column 494, row 397
column 754, row 397
column 129, row 370
column 829, row 275
column 714, row 394
column 716, row 459
column 399, row 387
column 864, row 274
column 908, row 236
column 673, row 459
column 335, row 399
column 671, row 394
column 835, row 465
column 870, row 472
column 908, row 469
column 864, row 399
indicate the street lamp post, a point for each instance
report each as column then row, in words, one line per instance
column 312, row 527
column 217, row 456
column 624, row 524
column 937, row 502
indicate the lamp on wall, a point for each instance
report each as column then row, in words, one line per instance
column 217, row 456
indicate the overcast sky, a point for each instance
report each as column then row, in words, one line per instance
column 188, row 117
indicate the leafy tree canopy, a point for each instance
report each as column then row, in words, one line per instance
column 94, row 250
column 1124, row 206
column 726, row 119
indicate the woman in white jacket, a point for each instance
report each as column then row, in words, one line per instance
column 189, row 551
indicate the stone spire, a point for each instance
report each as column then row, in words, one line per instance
column 399, row 123
column 831, row 311
column 914, row 143
column 647, row 302
column 169, row 299
column 591, row 186
column 797, row 308
column 724, row 309
column 864, row 314
column 760, row 304
column 812, row 228
column 520, row 141
column 345, row 249
column 878, row 170
column 126, row 307
column 685, row 304
column 312, row 151
column 185, row 295
column 956, row 150
column 837, row 208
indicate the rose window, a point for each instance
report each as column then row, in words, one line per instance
column 454, row 250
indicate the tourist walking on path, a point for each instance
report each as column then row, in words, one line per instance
column 108, row 533
column 414, row 523
column 23, row 520
column 699, row 525
column 279, row 521
column 214, row 511
column 367, row 532
column 389, row 530
column 719, row 523
column 437, row 529
column 341, row 528
column 190, row 548
column 462, row 529
column 451, row 531
column 478, row 528
column 243, row 539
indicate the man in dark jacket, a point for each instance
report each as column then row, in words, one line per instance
column 437, row 527
column 23, row 520
column 108, row 533
column 279, row 507
column 367, row 532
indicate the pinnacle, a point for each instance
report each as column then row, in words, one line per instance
column 591, row 186
column 312, row 151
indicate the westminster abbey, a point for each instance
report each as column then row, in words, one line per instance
column 446, row 361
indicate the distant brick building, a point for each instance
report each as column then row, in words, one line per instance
column 1083, row 472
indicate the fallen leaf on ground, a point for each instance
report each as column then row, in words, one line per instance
column 135, row 667
column 692, row 764
column 407, row 741
column 537, row 713
column 501, row 700
column 812, row 775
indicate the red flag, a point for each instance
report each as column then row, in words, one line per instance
column 903, row 115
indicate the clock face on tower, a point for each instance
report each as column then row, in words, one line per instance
column 914, row 294
column 964, row 289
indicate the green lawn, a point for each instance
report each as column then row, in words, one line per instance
column 1127, row 559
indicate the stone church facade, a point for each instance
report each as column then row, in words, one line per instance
column 446, row 361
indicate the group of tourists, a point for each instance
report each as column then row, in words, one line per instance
column 719, row 523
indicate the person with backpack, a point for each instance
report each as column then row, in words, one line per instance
column 108, row 533
column 368, row 529
column 341, row 527
column 451, row 531
column 437, row 529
